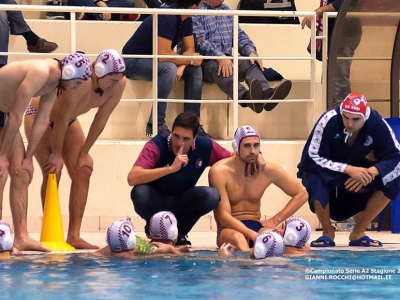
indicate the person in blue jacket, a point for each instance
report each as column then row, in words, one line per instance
column 350, row 164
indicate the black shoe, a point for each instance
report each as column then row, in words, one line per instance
column 54, row 15
column 202, row 132
column 278, row 93
column 182, row 241
column 255, row 93
column 162, row 129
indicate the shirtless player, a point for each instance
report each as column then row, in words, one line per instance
column 64, row 140
column 238, row 214
column 19, row 82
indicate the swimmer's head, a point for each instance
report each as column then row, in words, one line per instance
column 268, row 244
column 108, row 62
column 356, row 103
column 121, row 237
column 75, row 66
column 241, row 133
column 6, row 239
column 297, row 232
column 164, row 227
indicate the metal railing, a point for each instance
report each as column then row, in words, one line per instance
column 235, row 13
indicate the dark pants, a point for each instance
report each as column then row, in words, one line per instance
column 187, row 207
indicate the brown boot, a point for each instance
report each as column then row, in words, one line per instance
column 43, row 46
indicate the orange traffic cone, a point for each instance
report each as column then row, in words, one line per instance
column 52, row 234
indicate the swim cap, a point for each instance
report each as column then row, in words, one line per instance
column 109, row 61
column 120, row 236
column 75, row 66
column 241, row 133
column 164, row 226
column 6, row 239
column 268, row 244
column 356, row 103
column 297, row 232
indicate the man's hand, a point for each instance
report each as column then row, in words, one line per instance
column 225, row 66
column 270, row 224
column 226, row 250
column 306, row 22
column 360, row 174
column 26, row 165
column 84, row 161
column 197, row 61
column 181, row 160
column 54, row 164
column 179, row 72
column 106, row 15
column 258, row 61
column 3, row 164
column 260, row 163
column 353, row 185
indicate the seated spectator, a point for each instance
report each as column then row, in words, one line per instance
column 104, row 16
column 13, row 22
column 172, row 29
column 214, row 38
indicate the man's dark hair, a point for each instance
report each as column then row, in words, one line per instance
column 187, row 3
column 188, row 121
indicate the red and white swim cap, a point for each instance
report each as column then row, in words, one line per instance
column 268, row 244
column 75, row 66
column 120, row 236
column 6, row 239
column 108, row 62
column 355, row 103
column 241, row 133
column 297, row 232
column 164, row 226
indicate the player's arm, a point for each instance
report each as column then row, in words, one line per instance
column 140, row 175
column 101, row 118
column 223, row 211
column 292, row 187
column 34, row 80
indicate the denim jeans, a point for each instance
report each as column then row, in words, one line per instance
column 142, row 69
column 109, row 3
column 187, row 207
column 10, row 22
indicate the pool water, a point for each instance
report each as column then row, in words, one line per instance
column 200, row 275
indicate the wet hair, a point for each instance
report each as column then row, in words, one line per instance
column 188, row 121
column 187, row 3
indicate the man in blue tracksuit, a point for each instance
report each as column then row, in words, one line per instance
column 350, row 163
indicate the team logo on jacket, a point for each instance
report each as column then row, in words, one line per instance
column 199, row 163
column 368, row 141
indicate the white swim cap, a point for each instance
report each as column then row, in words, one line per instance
column 108, row 62
column 241, row 133
column 6, row 239
column 297, row 232
column 75, row 66
column 120, row 236
column 268, row 244
column 164, row 226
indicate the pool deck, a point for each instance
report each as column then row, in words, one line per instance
column 206, row 240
